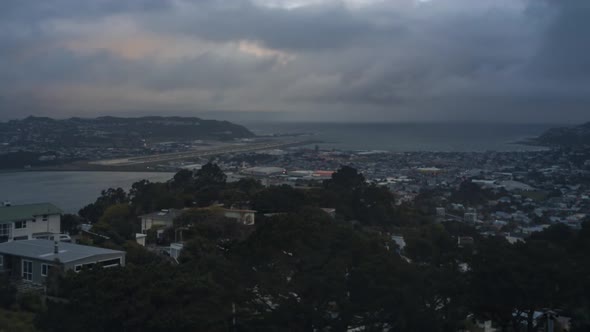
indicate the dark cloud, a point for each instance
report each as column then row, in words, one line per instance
column 564, row 54
column 77, row 9
column 403, row 59
column 310, row 28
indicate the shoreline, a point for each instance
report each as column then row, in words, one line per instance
column 88, row 166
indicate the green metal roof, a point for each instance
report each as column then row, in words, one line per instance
column 27, row 211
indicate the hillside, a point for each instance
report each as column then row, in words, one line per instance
column 576, row 136
column 118, row 131
column 42, row 141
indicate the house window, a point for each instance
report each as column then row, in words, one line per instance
column 45, row 268
column 5, row 230
column 44, row 217
column 27, row 270
column 111, row 262
column 20, row 224
column 78, row 268
column 1, row 261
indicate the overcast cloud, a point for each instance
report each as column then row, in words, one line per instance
column 371, row 60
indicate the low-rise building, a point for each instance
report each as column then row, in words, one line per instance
column 163, row 219
column 33, row 259
column 245, row 217
column 24, row 222
column 175, row 249
column 264, row 171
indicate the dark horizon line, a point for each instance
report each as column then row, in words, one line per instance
column 303, row 121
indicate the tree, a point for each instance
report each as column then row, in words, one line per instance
column 378, row 206
column 183, row 179
column 209, row 182
column 471, row 194
column 281, row 198
column 510, row 282
column 147, row 197
column 210, row 175
column 70, row 223
column 7, row 292
column 118, row 219
column 346, row 179
column 111, row 196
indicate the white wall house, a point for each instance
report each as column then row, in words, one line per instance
column 25, row 222
column 245, row 217
column 161, row 219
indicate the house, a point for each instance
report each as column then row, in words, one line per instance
column 163, row 218
column 33, row 259
column 464, row 241
column 330, row 211
column 24, row 222
column 175, row 249
column 245, row 217
column 140, row 239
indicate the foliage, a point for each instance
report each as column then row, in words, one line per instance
column 117, row 220
column 11, row 321
column 70, row 223
column 301, row 270
column 111, row 196
column 7, row 292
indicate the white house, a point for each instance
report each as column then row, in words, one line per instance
column 246, row 217
column 25, row 222
column 163, row 219
column 175, row 249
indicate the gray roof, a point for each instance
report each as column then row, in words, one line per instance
column 27, row 211
column 164, row 215
column 43, row 250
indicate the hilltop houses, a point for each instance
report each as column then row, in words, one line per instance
column 165, row 218
column 25, row 222
column 32, row 260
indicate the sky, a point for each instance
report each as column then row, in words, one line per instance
column 300, row 60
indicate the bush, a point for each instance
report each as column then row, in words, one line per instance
column 7, row 292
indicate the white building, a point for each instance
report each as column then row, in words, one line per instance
column 264, row 171
column 25, row 222
column 163, row 219
column 175, row 249
column 245, row 217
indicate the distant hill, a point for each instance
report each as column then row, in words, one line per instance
column 566, row 136
column 121, row 131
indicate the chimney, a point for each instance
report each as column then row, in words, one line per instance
column 55, row 248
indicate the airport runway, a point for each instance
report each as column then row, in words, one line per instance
column 197, row 153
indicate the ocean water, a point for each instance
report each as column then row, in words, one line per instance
column 403, row 137
column 68, row 190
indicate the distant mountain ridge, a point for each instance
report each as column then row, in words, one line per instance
column 575, row 136
column 152, row 128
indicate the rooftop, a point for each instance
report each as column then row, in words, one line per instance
column 28, row 211
column 44, row 250
column 164, row 215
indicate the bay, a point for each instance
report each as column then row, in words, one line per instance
column 68, row 190
column 407, row 137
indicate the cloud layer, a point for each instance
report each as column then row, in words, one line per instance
column 373, row 60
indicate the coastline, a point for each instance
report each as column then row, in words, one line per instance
column 148, row 163
column 532, row 142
